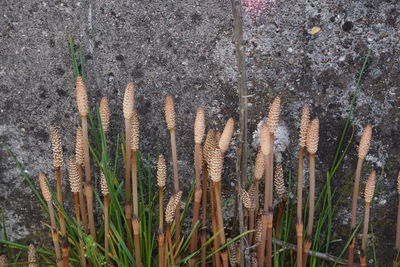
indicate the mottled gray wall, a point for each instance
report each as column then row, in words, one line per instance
column 185, row 48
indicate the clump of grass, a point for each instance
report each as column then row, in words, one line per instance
column 369, row 193
column 362, row 153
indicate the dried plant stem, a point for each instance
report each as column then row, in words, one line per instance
column 311, row 209
column 54, row 233
column 280, row 214
column 176, row 183
column 82, row 203
column 268, row 210
column 78, row 219
column 197, row 199
column 204, row 216
column 106, row 226
column 364, row 242
column 299, row 224
column 60, row 201
column 65, row 252
column 88, row 186
column 135, row 185
column 261, row 246
column 161, row 248
column 89, row 197
column 214, row 224
column 251, row 225
column 128, row 216
column 220, row 221
column 354, row 209
column 136, row 232
column 169, row 241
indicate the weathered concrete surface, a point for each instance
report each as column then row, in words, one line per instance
column 185, row 49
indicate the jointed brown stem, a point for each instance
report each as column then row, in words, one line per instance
column 78, row 219
column 220, row 221
column 136, row 232
column 169, row 242
column 82, row 203
column 60, row 201
column 299, row 225
column 89, row 197
column 204, row 216
column 354, row 209
column 176, row 183
column 134, row 185
column 197, row 199
column 217, row 260
column 161, row 248
column 311, row 209
column 127, row 159
column 54, row 232
column 65, row 252
column 106, row 226
column 88, row 189
column 364, row 241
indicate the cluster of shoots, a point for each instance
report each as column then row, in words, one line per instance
column 207, row 216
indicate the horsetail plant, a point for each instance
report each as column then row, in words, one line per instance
column 363, row 148
column 312, row 147
column 105, row 192
column 280, row 189
column 210, row 145
column 169, row 111
column 369, row 193
column 79, row 157
column 128, row 105
column 104, row 114
column 161, row 181
column 258, row 174
column 135, row 221
column 170, row 213
column 272, row 121
column 215, row 170
column 266, row 217
column 199, row 129
column 57, row 163
column 54, row 233
column 76, row 188
column 304, row 123
column 65, row 252
column 83, row 108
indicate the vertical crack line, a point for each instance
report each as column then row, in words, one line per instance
column 242, row 150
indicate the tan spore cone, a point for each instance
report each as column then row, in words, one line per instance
column 171, row 207
column 199, row 126
column 365, row 142
column 135, row 131
column 56, row 146
column 161, row 171
column 304, row 123
column 169, row 112
column 81, row 97
column 44, row 187
column 273, row 114
column 313, row 136
column 74, row 179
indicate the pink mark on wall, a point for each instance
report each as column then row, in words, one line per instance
column 258, row 7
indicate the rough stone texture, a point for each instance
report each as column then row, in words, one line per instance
column 185, row 49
